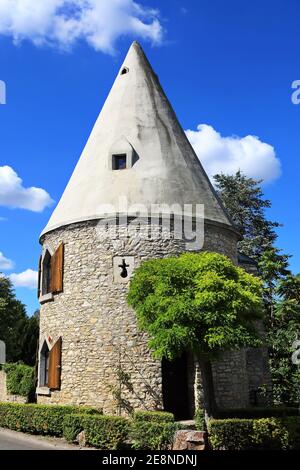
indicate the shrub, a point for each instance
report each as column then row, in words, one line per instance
column 230, row 434
column 152, row 435
column 264, row 434
column 72, row 426
column 199, row 419
column 38, row 419
column 104, row 432
column 19, row 379
column 156, row 416
column 270, row 433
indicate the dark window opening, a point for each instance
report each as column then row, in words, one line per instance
column 124, row 71
column 175, row 387
column 119, row 162
column 44, row 365
column 46, row 276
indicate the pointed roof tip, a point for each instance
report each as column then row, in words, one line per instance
column 136, row 45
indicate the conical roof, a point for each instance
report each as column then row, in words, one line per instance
column 138, row 121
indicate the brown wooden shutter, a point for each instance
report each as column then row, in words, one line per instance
column 54, row 371
column 39, row 278
column 57, row 268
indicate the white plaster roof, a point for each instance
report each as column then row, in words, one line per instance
column 136, row 119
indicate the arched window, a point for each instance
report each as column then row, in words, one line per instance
column 44, row 365
column 46, row 274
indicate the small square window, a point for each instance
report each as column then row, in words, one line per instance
column 119, row 162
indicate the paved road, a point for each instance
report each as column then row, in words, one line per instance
column 11, row 440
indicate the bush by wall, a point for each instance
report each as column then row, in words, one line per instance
column 247, row 434
column 104, row 432
column 152, row 430
column 199, row 419
column 38, row 419
column 156, row 416
column 19, row 379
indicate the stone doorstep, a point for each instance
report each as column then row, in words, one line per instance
column 186, row 439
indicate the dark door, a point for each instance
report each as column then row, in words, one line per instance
column 175, row 387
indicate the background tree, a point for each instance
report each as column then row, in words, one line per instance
column 245, row 203
column 285, row 330
column 19, row 331
column 200, row 303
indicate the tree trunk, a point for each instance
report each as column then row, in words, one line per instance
column 209, row 402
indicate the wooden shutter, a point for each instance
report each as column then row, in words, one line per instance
column 57, row 269
column 54, row 371
column 39, row 278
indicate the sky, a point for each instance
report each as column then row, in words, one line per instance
column 227, row 68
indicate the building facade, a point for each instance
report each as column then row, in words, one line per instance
column 115, row 214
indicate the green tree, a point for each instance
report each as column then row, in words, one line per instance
column 284, row 331
column 17, row 330
column 245, row 203
column 201, row 303
column 273, row 267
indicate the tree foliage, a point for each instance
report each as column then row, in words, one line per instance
column 245, row 203
column 285, row 330
column 17, row 330
column 199, row 302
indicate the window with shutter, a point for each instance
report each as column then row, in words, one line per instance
column 54, row 370
column 57, row 268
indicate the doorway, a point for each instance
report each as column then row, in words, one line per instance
column 175, row 387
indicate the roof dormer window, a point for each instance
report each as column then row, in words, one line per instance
column 119, row 162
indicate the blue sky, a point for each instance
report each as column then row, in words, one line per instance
column 227, row 66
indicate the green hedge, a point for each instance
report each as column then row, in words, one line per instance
column 19, row 379
column 247, row 434
column 151, row 435
column 38, row 419
column 152, row 430
column 199, row 419
column 104, row 432
column 257, row 412
column 156, row 416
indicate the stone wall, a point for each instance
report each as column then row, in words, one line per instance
column 98, row 329
column 6, row 397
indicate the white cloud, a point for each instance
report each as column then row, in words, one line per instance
column 62, row 22
column 28, row 278
column 5, row 263
column 227, row 155
column 13, row 194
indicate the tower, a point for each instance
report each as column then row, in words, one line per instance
column 137, row 162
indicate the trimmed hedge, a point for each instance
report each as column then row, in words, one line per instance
column 151, row 435
column 38, row 419
column 156, row 416
column 257, row 412
column 104, row 432
column 152, row 430
column 19, row 379
column 248, row 434
column 199, row 419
